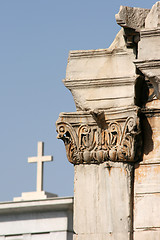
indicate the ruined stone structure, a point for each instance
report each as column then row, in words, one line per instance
column 113, row 138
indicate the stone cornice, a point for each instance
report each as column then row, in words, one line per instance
column 95, row 53
column 99, row 82
column 98, row 137
column 150, row 32
column 54, row 204
column 147, row 64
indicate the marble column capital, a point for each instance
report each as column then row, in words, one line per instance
column 93, row 138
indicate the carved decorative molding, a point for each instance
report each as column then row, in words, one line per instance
column 95, row 53
column 99, row 82
column 88, row 143
column 155, row 32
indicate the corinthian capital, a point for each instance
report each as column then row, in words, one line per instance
column 88, row 142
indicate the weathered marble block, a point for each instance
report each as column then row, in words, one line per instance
column 101, row 79
column 101, row 207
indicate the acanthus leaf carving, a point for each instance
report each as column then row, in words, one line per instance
column 91, row 144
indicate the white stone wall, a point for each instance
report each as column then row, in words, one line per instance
column 37, row 220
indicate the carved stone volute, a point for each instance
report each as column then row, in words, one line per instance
column 88, row 143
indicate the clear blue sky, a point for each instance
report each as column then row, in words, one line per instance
column 35, row 38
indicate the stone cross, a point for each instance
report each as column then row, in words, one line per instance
column 40, row 159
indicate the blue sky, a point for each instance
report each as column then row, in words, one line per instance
column 35, row 39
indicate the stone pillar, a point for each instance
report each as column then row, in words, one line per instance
column 103, row 184
column 103, row 201
column 103, row 159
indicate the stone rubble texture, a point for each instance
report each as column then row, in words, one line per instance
column 132, row 17
column 113, row 138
